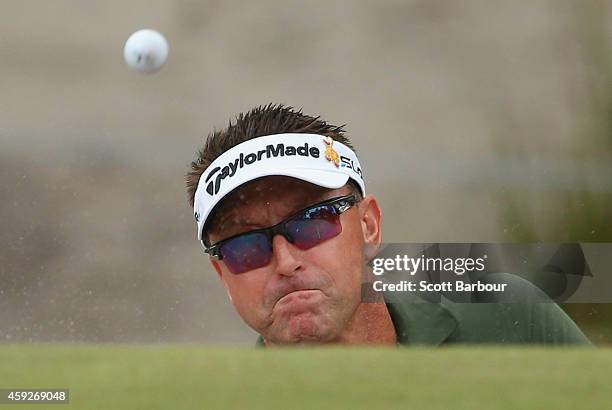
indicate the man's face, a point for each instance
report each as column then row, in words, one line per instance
column 301, row 295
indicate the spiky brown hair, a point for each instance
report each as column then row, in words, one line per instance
column 263, row 120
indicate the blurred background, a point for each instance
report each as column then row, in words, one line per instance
column 475, row 121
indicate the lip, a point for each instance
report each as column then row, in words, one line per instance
column 298, row 294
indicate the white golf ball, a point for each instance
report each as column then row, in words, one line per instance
column 145, row 51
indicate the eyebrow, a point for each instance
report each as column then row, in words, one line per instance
column 236, row 225
column 232, row 221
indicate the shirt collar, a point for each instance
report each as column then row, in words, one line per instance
column 417, row 321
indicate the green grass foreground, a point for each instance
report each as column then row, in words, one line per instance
column 186, row 376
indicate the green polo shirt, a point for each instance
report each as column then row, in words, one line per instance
column 418, row 322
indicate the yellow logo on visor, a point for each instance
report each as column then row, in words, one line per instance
column 330, row 152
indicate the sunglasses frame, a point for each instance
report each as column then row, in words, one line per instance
column 341, row 204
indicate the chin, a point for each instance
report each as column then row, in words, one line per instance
column 305, row 329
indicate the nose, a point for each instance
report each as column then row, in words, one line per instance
column 286, row 261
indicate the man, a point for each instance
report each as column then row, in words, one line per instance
column 281, row 208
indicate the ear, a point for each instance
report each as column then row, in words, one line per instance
column 371, row 225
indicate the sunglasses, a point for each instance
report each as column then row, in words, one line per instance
column 304, row 229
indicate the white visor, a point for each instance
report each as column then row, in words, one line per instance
column 308, row 157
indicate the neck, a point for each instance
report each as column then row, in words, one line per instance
column 371, row 325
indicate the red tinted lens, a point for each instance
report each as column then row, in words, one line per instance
column 246, row 252
column 314, row 226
